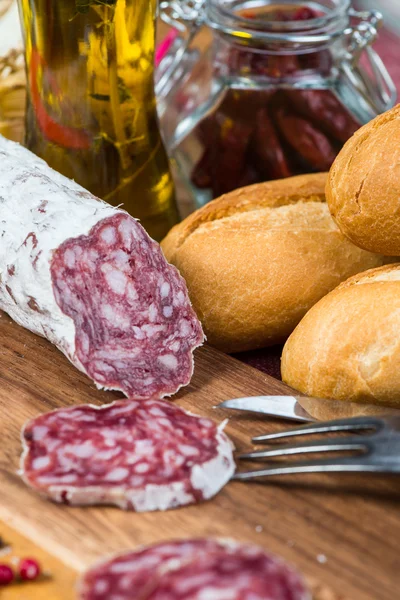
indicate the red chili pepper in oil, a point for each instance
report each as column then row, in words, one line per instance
column 68, row 137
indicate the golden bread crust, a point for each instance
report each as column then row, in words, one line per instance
column 347, row 347
column 257, row 259
column 363, row 187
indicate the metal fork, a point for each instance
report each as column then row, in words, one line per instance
column 376, row 450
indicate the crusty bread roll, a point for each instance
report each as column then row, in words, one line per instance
column 256, row 259
column 347, row 347
column 363, row 188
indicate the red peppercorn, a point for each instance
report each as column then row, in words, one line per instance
column 29, row 569
column 304, row 14
column 6, row 575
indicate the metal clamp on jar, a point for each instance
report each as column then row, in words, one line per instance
column 254, row 90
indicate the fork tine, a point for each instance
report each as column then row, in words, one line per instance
column 344, row 465
column 320, row 445
column 352, row 424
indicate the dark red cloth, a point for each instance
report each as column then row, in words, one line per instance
column 388, row 48
column 267, row 360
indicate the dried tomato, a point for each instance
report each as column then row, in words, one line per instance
column 313, row 146
column 267, row 150
column 324, row 110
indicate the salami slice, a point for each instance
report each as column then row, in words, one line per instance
column 149, row 455
column 199, row 569
column 87, row 276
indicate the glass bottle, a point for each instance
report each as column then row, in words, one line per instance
column 91, row 110
column 255, row 90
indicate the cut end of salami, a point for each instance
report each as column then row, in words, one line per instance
column 87, row 276
column 135, row 327
column 143, row 456
column 200, row 569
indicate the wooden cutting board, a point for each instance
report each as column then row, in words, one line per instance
column 341, row 534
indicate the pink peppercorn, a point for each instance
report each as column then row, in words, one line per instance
column 6, row 575
column 29, row 569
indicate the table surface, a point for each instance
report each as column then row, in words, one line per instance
column 341, row 532
column 59, row 579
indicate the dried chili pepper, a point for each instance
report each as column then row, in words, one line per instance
column 267, row 151
column 324, row 110
column 205, row 130
column 250, row 175
column 245, row 62
column 281, row 66
column 311, row 144
column 304, row 13
column 276, row 15
column 275, row 66
column 68, row 137
column 222, row 164
column 228, row 155
column 248, row 14
column 201, row 174
column 320, row 61
column 280, row 15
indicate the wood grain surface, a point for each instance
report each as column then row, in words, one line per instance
column 341, row 532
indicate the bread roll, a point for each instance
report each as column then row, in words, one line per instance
column 347, row 347
column 363, row 189
column 256, row 259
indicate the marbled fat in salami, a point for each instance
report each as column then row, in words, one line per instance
column 148, row 455
column 88, row 277
column 133, row 574
column 201, row 569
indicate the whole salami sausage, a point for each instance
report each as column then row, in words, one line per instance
column 194, row 570
column 148, row 455
column 87, row 276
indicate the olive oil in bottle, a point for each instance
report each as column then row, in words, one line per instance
column 91, row 110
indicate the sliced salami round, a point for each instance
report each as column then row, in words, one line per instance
column 199, row 569
column 132, row 574
column 143, row 456
column 88, row 277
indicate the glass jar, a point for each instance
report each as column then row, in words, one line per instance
column 91, row 111
column 254, row 90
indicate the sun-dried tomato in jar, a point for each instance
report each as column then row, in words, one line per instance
column 268, row 89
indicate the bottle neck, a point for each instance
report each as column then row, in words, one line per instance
column 288, row 25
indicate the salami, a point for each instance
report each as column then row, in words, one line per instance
column 87, row 276
column 148, row 455
column 199, row 569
